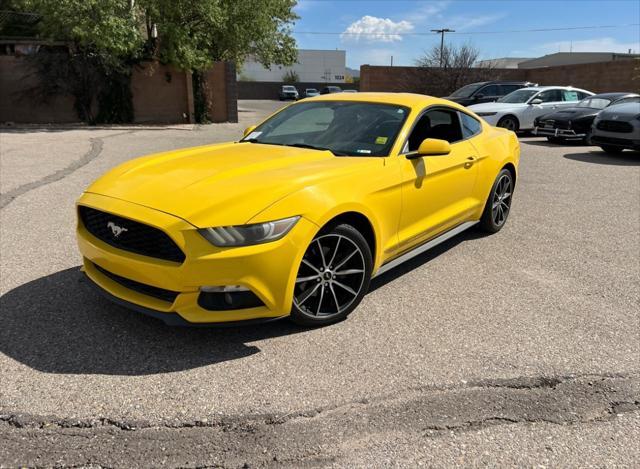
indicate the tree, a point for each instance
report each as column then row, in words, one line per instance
column 291, row 77
column 191, row 35
column 459, row 67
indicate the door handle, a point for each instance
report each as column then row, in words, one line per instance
column 469, row 162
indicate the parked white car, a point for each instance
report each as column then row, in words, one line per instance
column 518, row 110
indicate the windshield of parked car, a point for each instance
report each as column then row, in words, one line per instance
column 594, row 103
column 345, row 128
column 518, row 96
column 466, row 91
column 288, row 88
column 311, row 90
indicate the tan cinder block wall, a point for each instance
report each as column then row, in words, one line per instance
column 597, row 77
column 222, row 92
column 161, row 94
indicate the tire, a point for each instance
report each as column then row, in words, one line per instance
column 498, row 205
column 610, row 149
column 333, row 277
column 509, row 123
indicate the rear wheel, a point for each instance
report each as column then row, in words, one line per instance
column 610, row 149
column 509, row 123
column 333, row 277
column 498, row 204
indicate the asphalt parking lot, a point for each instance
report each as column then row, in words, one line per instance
column 517, row 348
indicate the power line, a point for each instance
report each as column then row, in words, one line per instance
column 441, row 32
column 506, row 31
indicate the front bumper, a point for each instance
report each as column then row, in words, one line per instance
column 615, row 140
column 555, row 132
column 267, row 270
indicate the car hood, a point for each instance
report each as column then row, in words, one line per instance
column 496, row 107
column 571, row 113
column 625, row 112
column 221, row 184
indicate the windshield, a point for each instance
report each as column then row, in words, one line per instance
column 342, row 127
column 311, row 90
column 467, row 90
column 594, row 103
column 518, row 96
column 288, row 88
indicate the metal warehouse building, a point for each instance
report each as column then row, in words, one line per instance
column 312, row 66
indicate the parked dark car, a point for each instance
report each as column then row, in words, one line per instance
column 289, row 92
column 331, row 89
column 575, row 122
column 617, row 127
column 485, row 91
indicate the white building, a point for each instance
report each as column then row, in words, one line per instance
column 313, row 66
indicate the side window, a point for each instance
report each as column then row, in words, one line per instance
column 549, row 96
column 570, row 95
column 582, row 95
column 470, row 126
column 506, row 89
column 442, row 124
column 633, row 99
column 489, row 90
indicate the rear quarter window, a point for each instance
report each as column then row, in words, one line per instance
column 470, row 125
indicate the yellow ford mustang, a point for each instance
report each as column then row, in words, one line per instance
column 295, row 218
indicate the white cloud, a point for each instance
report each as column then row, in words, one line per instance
column 464, row 23
column 603, row 44
column 373, row 29
column 430, row 11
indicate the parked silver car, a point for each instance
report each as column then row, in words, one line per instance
column 617, row 128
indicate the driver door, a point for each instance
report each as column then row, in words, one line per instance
column 436, row 190
column 551, row 99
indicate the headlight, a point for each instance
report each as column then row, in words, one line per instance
column 246, row 235
column 484, row 114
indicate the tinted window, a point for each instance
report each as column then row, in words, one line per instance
column 470, row 126
column 550, row 96
column 442, row 124
column 490, row 90
column 506, row 89
column 634, row 99
column 466, row 91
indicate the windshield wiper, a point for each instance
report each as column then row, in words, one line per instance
column 313, row 147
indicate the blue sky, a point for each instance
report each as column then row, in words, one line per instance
column 377, row 29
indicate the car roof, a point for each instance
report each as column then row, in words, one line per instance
column 411, row 100
column 614, row 96
column 541, row 88
column 501, row 82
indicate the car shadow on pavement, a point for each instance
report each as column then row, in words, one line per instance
column 60, row 324
column 627, row 158
column 425, row 257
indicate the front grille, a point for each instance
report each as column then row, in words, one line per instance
column 155, row 292
column 615, row 126
column 130, row 235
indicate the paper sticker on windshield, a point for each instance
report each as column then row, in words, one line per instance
column 253, row 135
column 381, row 140
column 363, row 151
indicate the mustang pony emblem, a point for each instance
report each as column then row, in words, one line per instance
column 115, row 229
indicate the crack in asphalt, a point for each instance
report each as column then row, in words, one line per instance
column 272, row 439
column 94, row 151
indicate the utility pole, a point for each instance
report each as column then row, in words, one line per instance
column 441, row 32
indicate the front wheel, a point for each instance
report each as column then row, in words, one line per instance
column 509, row 123
column 498, row 204
column 610, row 149
column 333, row 277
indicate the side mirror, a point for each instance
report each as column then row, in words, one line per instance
column 479, row 96
column 536, row 101
column 248, row 130
column 431, row 147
